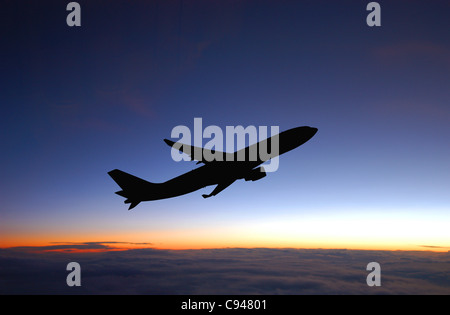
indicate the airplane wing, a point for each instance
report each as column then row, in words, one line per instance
column 219, row 188
column 199, row 154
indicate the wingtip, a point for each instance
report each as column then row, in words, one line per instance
column 110, row 173
column 168, row 142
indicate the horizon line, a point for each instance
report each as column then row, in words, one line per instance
column 97, row 247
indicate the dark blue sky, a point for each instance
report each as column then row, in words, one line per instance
column 78, row 102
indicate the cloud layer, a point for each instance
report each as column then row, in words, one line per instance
column 224, row 271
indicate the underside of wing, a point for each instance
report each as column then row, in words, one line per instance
column 219, row 188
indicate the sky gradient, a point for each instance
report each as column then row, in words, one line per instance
column 78, row 102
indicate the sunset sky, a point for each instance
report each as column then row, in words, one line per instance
column 78, row 102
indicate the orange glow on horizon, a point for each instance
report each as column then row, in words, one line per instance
column 348, row 232
column 45, row 246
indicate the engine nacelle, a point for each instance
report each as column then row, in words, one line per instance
column 255, row 174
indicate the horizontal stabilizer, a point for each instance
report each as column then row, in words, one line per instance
column 121, row 193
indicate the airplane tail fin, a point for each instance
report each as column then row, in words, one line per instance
column 132, row 187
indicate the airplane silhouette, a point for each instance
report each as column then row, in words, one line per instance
column 224, row 170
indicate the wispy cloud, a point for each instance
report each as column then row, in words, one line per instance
column 407, row 51
column 80, row 247
column 433, row 246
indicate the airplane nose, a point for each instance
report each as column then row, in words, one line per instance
column 313, row 131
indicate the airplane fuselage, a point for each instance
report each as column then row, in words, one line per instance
column 243, row 164
column 216, row 172
column 206, row 175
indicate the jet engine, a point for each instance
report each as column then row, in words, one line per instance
column 255, row 174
